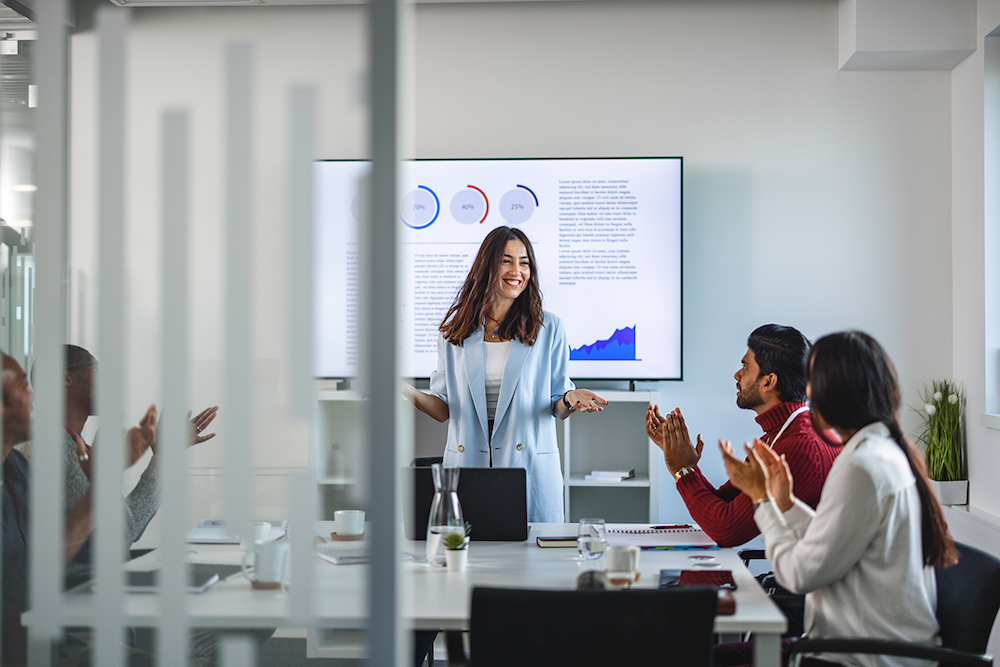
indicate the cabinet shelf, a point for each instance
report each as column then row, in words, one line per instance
column 335, row 481
column 638, row 480
column 614, row 439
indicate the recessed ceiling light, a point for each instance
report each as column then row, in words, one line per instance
column 27, row 187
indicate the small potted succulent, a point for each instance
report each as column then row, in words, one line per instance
column 456, row 554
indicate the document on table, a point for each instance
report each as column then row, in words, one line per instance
column 651, row 536
column 215, row 531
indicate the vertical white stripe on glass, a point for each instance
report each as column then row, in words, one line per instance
column 239, row 231
column 302, row 504
column 237, row 651
column 379, row 361
column 302, row 398
column 175, row 429
column 47, row 521
column 112, row 23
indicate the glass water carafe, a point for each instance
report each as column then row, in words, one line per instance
column 446, row 512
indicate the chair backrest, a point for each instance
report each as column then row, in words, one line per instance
column 968, row 599
column 592, row 628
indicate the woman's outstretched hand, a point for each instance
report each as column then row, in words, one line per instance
column 585, row 400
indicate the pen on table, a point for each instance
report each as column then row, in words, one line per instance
column 671, row 526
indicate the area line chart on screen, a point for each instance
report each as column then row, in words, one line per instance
column 607, row 240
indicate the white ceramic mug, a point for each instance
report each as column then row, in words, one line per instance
column 621, row 563
column 270, row 562
column 349, row 522
column 254, row 532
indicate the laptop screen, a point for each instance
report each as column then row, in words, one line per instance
column 493, row 500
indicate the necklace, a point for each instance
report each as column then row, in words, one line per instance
column 497, row 332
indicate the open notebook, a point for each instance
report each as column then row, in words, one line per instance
column 650, row 536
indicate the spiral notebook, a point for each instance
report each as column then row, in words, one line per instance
column 651, row 536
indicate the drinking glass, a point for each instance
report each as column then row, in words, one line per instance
column 591, row 539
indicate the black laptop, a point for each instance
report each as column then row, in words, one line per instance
column 494, row 501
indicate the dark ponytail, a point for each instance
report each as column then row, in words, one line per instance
column 853, row 384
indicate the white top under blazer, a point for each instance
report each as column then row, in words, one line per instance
column 524, row 428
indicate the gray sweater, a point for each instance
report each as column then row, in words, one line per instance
column 140, row 505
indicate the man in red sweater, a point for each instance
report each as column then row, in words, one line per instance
column 772, row 383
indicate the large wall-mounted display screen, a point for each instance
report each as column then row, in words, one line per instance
column 607, row 240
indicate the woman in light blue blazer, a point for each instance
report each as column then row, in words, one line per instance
column 502, row 374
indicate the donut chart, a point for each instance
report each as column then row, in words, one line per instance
column 517, row 205
column 470, row 206
column 420, row 208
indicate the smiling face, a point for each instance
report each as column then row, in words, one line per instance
column 515, row 270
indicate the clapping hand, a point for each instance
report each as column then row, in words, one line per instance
column 763, row 474
column 671, row 435
column 202, row 422
column 777, row 473
column 140, row 438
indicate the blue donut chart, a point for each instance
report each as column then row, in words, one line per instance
column 410, row 201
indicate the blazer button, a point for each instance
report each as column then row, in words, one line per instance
column 461, row 448
column 520, row 446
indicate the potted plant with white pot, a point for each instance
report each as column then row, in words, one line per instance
column 456, row 545
column 943, row 437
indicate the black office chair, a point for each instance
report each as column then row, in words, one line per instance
column 584, row 628
column 968, row 600
column 792, row 605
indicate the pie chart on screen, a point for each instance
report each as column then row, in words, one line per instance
column 517, row 205
column 420, row 208
column 470, row 206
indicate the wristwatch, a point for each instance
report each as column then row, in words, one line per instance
column 683, row 471
column 569, row 407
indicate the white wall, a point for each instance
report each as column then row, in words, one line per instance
column 813, row 197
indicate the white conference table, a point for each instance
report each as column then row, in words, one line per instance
column 432, row 597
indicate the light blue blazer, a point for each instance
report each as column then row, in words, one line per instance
column 524, row 429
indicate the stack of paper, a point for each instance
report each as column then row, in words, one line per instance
column 610, row 475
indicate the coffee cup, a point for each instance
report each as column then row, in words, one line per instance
column 270, row 566
column 254, row 532
column 621, row 563
column 349, row 522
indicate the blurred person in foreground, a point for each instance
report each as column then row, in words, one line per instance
column 79, row 519
column 140, row 505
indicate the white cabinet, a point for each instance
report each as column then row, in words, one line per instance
column 341, row 460
column 614, row 439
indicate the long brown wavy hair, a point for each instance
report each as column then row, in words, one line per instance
column 853, row 384
column 472, row 304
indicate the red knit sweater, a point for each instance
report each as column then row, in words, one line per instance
column 725, row 513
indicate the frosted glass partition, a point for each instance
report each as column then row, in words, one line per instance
column 147, row 274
